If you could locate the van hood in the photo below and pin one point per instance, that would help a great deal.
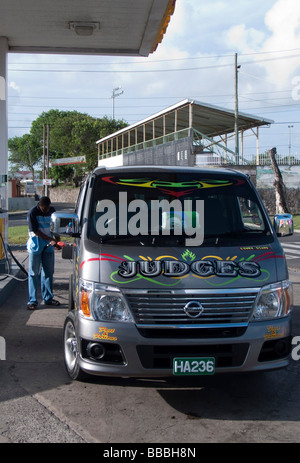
(195, 268)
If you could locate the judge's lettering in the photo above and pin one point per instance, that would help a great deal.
(177, 268)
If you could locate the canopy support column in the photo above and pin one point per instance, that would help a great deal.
(3, 151)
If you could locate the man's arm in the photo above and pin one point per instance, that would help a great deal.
(51, 239)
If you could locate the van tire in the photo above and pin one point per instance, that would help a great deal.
(71, 350)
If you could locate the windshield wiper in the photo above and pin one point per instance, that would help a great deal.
(216, 237)
(142, 240)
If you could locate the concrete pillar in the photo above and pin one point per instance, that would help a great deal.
(3, 153)
(3, 121)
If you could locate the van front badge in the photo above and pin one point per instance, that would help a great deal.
(193, 309)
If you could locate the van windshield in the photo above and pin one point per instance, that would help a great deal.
(167, 208)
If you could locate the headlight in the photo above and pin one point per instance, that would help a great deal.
(110, 306)
(103, 303)
(274, 301)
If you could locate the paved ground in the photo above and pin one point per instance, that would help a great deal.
(39, 403)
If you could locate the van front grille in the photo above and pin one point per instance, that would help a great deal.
(191, 309)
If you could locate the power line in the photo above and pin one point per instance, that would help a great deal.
(145, 98)
(108, 71)
(148, 61)
(288, 122)
(291, 107)
(154, 70)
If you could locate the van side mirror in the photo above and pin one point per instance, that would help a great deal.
(283, 224)
(65, 224)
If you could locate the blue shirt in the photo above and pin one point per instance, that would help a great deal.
(38, 220)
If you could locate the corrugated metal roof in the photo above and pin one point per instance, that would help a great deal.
(210, 120)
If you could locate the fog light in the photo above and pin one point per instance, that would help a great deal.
(281, 347)
(95, 350)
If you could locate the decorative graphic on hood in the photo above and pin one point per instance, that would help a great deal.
(175, 268)
(212, 268)
(176, 189)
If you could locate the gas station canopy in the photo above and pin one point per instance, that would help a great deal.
(104, 27)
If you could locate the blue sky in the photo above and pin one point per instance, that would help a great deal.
(195, 60)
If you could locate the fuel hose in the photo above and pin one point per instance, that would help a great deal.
(9, 275)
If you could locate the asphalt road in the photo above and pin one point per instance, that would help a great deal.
(39, 403)
(16, 219)
(291, 247)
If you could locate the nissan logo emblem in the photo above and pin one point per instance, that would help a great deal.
(193, 309)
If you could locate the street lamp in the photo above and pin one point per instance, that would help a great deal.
(236, 121)
(115, 93)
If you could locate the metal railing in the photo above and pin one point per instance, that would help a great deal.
(210, 151)
(174, 136)
(217, 160)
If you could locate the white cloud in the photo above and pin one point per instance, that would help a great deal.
(243, 39)
(14, 86)
(282, 32)
(283, 20)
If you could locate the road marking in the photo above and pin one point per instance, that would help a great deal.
(292, 250)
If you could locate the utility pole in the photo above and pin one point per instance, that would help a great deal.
(236, 122)
(47, 161)
(44, 160)
(115, 93)
(45, 157)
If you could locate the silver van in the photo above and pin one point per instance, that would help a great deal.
(176, 271)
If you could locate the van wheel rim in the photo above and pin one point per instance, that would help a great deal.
(71, 350)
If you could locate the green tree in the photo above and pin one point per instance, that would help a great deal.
(25, 152)
(71, 134)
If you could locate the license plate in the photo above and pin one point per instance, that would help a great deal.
(194, 366)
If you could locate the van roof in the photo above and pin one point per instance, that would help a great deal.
(176, 169)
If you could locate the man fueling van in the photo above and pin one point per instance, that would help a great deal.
(40, 246)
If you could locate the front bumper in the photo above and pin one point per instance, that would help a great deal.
(262, 346)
